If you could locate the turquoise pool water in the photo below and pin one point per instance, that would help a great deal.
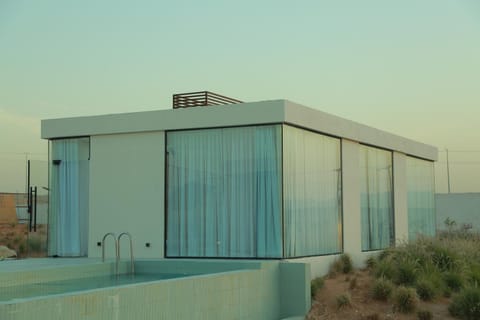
(78, 284)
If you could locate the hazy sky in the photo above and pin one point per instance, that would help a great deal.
(411, 67)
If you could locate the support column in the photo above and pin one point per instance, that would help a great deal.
(400, 197)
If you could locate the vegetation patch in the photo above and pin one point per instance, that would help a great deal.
(404, 299)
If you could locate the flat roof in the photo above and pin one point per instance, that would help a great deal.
(251, 113)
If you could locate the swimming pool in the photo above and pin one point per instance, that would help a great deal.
(43, 288)
(161, 289)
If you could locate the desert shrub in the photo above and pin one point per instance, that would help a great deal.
(443, 258)
(385, 254)
(425, 289)
(474, 275)
(343, 300)
(382, 289)
(406, 273)
(343, 264)
(371, 263)
(347, 264)
(404, 299)
(453, 280)
(316, 285)
(384, 269)
(466, 304)
(424, 315)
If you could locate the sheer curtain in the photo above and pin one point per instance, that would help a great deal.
(224, 192)
(312, 193)
(376, 198)
(68, 210)
(421, 197)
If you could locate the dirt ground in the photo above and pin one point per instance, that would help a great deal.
(15, 236)
(363, 306)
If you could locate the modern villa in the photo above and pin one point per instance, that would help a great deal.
(270, 184)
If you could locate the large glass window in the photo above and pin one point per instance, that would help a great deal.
(376, 198)
(69, 187)
(421, 197)
(224, 192)
(312, 193)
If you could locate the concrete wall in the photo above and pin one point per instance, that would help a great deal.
(127, 192)
(464, 208)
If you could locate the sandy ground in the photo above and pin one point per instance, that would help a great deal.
(363, 306)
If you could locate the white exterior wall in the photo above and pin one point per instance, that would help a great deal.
(127, 192)
(352, 238)
(127, 168)
(400, 197)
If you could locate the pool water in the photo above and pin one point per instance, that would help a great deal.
(78, 284)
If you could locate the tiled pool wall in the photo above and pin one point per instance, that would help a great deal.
(220, 290)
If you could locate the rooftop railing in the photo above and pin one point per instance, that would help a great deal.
(201, 99)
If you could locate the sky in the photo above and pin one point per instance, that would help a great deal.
(410, 67)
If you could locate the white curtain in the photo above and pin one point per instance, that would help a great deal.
(68, 211)
(376, 198)
(224, 192)
(312, 193)
(421, 197)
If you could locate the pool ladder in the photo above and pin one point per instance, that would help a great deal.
(117, 250)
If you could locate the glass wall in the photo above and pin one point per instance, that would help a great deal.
(421, 197)
(224, 192)
(69, 187)
(312, 193)
(376, 196)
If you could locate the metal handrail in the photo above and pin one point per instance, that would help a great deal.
(103, 244)
(116, 249)
(132, 268)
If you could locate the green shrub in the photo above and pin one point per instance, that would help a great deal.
(382, 289)
(347, 264)
(343, 264)
(404, 299)
(343, 300)
(424, 315)
(384, 269)
(466, 305)
(371, 262)
(406, 273)
(316, 285)
(385, 254)
(425, 289)
(453, 280)
(443, 258)
(474, 275)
